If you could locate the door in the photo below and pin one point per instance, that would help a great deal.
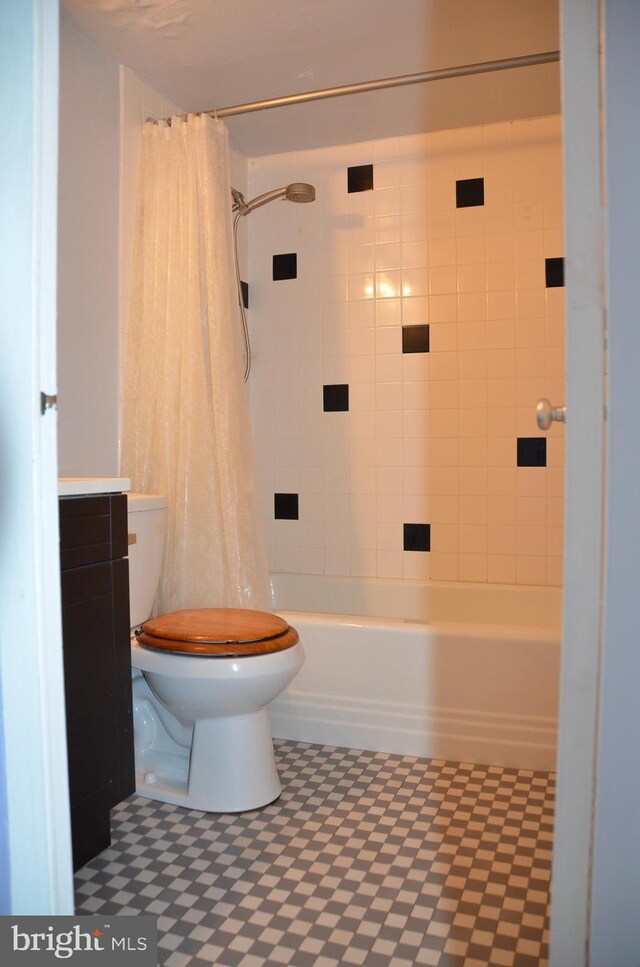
(36, 875)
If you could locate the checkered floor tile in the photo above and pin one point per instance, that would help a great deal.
(366, 859)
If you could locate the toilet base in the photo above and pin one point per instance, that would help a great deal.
(230, 767)
(201, 732)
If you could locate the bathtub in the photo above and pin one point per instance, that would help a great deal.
(448, 671)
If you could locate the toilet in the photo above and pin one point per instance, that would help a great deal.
(202, 679)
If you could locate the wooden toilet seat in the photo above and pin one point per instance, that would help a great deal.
(218, 632)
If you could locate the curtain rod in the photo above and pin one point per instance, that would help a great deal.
(530, 60)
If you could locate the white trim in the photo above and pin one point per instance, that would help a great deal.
(585, 439)
(458, 734)
(41, 880)
(615, 894)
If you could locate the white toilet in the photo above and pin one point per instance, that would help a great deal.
(201, 683)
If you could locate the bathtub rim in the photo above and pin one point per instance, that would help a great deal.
(444, 628)
(286, 586)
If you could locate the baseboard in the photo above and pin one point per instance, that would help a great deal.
(460, 735)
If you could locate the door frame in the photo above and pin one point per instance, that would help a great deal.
(584, 490)
(596, 888)
(615, 895)
(36, 827)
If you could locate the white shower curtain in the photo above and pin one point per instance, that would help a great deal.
(186, 431)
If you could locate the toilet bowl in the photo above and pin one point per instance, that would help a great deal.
(202, 680)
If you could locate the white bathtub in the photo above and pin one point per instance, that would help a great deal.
(450, 671)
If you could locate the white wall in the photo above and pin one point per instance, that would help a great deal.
(429, 438)
(88, 259)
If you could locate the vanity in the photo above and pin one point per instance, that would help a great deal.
(97, 655)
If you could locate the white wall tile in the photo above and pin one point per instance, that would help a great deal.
(416, 566)
(287, 559)
(429, 437)
(363, 562)
(337, 561)
(390, 564)
(311, 560)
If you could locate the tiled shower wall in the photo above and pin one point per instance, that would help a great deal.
(404, 327)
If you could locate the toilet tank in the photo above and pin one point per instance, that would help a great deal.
(147, 521)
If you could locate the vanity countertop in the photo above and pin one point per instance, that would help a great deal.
(79, 486)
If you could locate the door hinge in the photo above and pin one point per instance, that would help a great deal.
(47, 402)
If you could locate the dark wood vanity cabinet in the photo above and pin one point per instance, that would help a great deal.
(97, 665)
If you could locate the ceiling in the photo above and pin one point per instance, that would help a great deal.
(204, 54)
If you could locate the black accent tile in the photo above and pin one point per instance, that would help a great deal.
(244, 286)
(415, 339)
(285, 266)
(360, 178)
(532, 451)
(417, 537)
(285, 506)
(335, 398)
(469, 192)
(554, 273)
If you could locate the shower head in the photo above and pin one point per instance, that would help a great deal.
(299, 191)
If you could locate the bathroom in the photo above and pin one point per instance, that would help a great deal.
(398, 461)
(429, 438)
(428, 444)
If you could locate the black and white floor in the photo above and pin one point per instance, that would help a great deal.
(366, 859)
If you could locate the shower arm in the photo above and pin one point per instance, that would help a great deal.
(246, 207)
(265, 199)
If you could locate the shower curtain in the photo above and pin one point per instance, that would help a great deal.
(186, 431)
